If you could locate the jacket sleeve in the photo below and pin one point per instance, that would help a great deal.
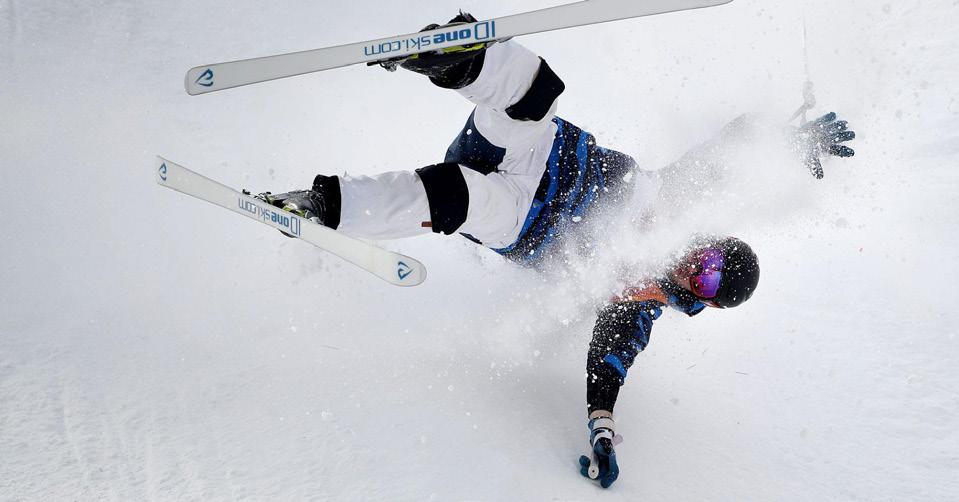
(622, 331)
(705, 169)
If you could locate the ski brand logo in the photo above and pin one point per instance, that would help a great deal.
(403, 270)
(291, 224)
(205, 79)
(462, 34)
(161, 172)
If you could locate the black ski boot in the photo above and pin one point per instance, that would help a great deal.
(305, 203)
(321, 204)
(450, 68)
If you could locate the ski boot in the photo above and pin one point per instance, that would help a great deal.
(450, 68)
(319, 204)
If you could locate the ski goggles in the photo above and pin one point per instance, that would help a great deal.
(707, 273)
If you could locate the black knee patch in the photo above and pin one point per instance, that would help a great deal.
(447, 194)
(537, 101)
(329, 189)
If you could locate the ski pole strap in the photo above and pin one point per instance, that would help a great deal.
(601, 428)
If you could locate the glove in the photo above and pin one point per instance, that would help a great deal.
(601, 465)
(822, 136)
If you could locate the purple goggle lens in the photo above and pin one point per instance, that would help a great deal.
(705, 282)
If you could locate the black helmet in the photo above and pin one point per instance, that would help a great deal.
(739, 269)
(740, 273)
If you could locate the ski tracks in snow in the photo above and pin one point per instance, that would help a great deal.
(73, 435)
(9, 34)
(8, 8)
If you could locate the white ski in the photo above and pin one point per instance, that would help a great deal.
(219, 76)
(393, 268)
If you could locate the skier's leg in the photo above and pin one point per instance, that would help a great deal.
(490, 208)
(515, 93)
(442, 198)
(384, 206)
(514, 90)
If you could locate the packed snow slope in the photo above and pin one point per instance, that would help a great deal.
(155, 347)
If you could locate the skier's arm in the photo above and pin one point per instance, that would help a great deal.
(702, 169)
(698, 170)
(622, 331)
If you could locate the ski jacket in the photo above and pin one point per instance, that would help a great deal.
(577, 176)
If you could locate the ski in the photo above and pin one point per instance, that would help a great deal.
(393, 268)
(219, 76)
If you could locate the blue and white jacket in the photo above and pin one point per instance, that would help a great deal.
(578, 175)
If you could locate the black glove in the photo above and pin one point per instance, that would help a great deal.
(822, 136)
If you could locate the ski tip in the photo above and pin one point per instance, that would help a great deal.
(199, 80)
(162, 170)
(409, 272)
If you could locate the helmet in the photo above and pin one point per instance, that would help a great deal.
(740, 273)
(721, 271)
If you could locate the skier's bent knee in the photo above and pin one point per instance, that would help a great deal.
(448, 196)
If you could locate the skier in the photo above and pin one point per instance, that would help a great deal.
(521, 180)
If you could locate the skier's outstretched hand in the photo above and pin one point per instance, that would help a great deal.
(601, 465)
(824, 135)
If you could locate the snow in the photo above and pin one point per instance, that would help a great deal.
(153, 347)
